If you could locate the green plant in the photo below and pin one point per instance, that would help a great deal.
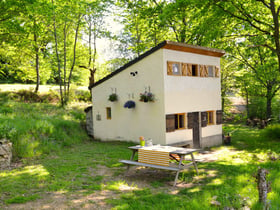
(147, 97)
(113, 97)
(39, 128)
(82, 95)
(272, 132)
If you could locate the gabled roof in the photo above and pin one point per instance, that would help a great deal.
(166, 45)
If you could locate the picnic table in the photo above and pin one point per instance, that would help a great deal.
(158, 156)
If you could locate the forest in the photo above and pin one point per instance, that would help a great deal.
(62, 42)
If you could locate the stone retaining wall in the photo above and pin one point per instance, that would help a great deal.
(5, 154)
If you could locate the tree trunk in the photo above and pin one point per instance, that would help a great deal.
(37, 64)
(268, 101)
(268, 107)
(74, 56)
(263, 185)
(247, 104)
(58, 60)
(37, 70)
(65, 61)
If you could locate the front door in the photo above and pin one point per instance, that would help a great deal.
(196, 130)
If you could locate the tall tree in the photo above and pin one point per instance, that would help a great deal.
(257, 28)
(67, 22)
(94, 29)
(256, 18)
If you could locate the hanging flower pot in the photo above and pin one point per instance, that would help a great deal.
(147, 97)
(129, 104)
(113, 97)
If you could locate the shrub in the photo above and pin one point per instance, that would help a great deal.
(272, 132)
(50, 97)
(82, 95)
(36, 129)
(28, 96)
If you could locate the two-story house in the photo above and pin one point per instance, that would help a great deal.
(183, 82)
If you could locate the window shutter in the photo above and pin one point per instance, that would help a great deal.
(201, 70)
(189, 66)
(217, 71)
(169, 68)
(170, 123)
(204, 119)
(190, 120)
(206, 71)
(184, 69)
(219, 117)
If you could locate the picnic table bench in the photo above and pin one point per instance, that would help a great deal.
(159, 157)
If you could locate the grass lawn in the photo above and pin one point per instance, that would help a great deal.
(60, 167)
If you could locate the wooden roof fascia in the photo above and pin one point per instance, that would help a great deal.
(193, 49)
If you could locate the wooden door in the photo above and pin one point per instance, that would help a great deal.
(196, 130)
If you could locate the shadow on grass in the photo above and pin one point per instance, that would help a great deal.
(77, 169)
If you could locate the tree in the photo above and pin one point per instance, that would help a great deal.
(265, 76)
(69, 19)
(94, 29)
(257, 18)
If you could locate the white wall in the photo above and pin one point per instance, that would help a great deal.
(147, 119)
(191, 94)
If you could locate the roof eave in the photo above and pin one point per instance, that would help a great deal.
(194, 49)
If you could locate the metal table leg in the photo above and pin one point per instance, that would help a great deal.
(179, 167)
(194, 163)
(131, 158)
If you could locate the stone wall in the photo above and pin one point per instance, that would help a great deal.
(89, 121)
(5, 154)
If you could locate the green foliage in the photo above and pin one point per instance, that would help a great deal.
(22, 199)
(80, 95)
(37, 129)
(272, 132)
(257, 108)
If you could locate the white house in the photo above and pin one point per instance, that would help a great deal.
(185, 83)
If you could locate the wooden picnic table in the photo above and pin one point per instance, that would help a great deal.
(158, 156)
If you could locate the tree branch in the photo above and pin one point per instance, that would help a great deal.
(265, 4)
(244, 19)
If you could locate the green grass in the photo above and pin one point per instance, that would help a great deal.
(39, 128)
(230, 180)
(71, 170)
(58, 157)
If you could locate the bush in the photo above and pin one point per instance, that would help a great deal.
(39, 128)
(80, 95)
(272, 132)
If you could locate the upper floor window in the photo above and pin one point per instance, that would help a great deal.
(174, 68)
(194, 70)
(210, 71)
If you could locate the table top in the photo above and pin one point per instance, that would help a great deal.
(170, 149)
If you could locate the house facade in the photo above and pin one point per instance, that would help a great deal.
(184, 81)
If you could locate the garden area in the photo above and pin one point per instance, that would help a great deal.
(56, 165)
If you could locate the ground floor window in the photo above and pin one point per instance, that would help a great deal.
(175, 122)
(210, 117)
(108, 113)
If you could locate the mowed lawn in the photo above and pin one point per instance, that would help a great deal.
(63, 168)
